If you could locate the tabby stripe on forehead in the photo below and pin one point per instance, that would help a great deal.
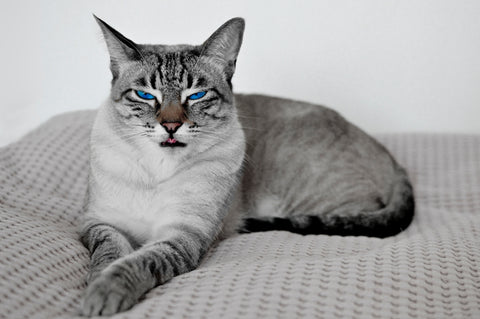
(185, 62)
(182, 61)
(141, 81)
(182, 67)
(166, 67)
(153, 80)
(181, 74)
(189, 80)
(201, 82)
(160, 72)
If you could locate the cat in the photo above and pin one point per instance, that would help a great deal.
(178, 161)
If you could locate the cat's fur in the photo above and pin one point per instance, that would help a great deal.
(158, 200)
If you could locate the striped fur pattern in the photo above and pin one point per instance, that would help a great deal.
(169, 174)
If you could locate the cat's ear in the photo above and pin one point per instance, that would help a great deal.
(224, 44)
(121, 49)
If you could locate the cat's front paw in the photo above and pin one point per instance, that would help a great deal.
(107, 295)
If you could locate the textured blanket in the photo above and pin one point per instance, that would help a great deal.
(432, 270)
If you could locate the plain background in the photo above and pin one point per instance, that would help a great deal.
(388, 66)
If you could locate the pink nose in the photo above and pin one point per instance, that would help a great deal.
(171, 127)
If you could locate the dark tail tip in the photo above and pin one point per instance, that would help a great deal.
(251, 225)
(361, 225)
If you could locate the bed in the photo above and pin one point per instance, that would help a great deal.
(431, 270)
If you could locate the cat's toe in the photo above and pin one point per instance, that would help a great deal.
(104, 297)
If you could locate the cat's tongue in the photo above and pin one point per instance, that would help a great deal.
(172, 142)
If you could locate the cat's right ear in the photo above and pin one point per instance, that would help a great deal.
(121, 49)
(224, 45)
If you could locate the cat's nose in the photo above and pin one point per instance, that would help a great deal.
(171, 127)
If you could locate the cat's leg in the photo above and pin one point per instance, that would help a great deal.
(124, 281)
(106, 244)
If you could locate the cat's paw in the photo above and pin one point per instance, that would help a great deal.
(107, 295)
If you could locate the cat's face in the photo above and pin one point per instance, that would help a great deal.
(175, 96)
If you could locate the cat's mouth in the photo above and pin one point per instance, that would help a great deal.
(172, 142)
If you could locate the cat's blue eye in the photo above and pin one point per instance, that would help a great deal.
(144, 95)
(197, 95)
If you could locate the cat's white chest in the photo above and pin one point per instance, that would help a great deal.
(137, 194)
(139, 211)
(143, 212)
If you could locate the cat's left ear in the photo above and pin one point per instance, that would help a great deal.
(224, 44)
(121, 49)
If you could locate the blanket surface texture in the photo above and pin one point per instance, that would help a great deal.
(431, 270)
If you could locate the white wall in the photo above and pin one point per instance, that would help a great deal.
(389, 66)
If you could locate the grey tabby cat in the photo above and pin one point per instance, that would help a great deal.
(178, 160)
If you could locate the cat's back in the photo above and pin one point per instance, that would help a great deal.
(305, 157)
(262, 114)
(296, 124)
(263, 110)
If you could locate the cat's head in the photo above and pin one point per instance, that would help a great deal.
(175, 95)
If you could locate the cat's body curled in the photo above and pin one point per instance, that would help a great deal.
(178, 160)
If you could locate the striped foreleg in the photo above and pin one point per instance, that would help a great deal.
(123, 282)
(106, 244)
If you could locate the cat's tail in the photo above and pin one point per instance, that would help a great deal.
(388, 221)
